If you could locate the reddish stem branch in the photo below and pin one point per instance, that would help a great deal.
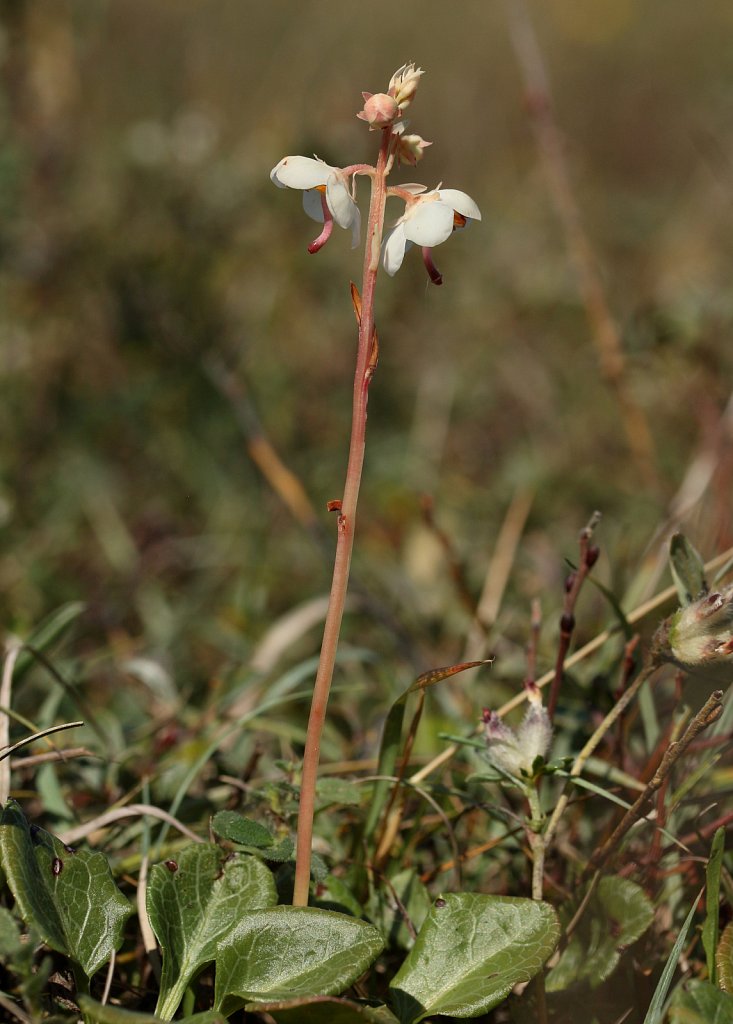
(574, 582)
(365, 363)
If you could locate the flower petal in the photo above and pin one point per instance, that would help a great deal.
(430, 223)
(460, 202)
(312, 204)
(534, 735)
(394, 247)
(300, 172)
(339, 200)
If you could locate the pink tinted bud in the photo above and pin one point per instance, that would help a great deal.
(410, 149)
(403, 84)
(380, 110)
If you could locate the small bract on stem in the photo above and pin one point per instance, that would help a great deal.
(429, 218)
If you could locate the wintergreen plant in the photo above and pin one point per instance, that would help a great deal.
(429, 217)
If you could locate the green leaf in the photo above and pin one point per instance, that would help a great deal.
(618, 914)
(9, 934)
(700, 1002)
(282, 852)
(206, 1017)
(712, 899)
(325, 1010)
(287, 952)
(338, 791)
(238, 829)
(100, 1013)
(68, 895)
(654, 1013)
(688, 569)
(724, 959)
(52, 627)
(103, 1013)
(193, 903)
(470, 953)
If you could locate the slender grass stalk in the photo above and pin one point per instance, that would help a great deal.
(346, 527)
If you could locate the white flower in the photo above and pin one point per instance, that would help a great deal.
(318, 179)
(427, 221)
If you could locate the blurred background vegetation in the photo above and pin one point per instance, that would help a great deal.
(158, 310)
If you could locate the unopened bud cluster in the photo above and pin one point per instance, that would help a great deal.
(701, 633)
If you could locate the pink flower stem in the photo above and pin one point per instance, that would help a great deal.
(346, 527)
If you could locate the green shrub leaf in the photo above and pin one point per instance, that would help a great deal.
(68, 895)
(238, 829)
(700, 1002)
(618, 914)
(470, 953)
(287, 952)
(193, 903)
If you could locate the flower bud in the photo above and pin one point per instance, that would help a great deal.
(516, 752)
(380, 110)
(403, 84)
(702, 632)
(410, 149)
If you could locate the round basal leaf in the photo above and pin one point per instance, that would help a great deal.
(192, 903)
(619, 913)
(286, 952)
(238, 829)
(470, 953)
(700, 1002)
(68, 895)
(325, 1010)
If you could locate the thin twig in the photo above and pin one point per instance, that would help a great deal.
(64, 754)
(110, 975)
(13, 649)
(497, 573)
(710, 712)
(591, 745)
(573, 584)
(15, 1011)
(73, 835)
(534, 640)
(38, 736)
